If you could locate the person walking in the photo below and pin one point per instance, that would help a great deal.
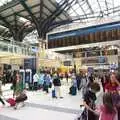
(78, 79)
(47, 80)
(35, 81)
(14, 81)
(57, 86)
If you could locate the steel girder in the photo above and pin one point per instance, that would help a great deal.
(38, 12)
(44, 25)
(18, 36)
(56, 7)
(101, 12)
(23, 10)
(31, 14)
(57, 12)
(89, 6)
(16, 25)
(41, 9)
(50, 11)
(8, 26)
(10, 5)
(106, 6)
(62, 10)
(54, 13)
(68, 5)
(82, 9)
(47, 27)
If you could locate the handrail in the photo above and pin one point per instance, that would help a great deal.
(11, 41)
(14, 48)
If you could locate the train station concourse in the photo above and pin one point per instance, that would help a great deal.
(59, 59)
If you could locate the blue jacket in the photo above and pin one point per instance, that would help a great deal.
(47, 79)
(41, 79)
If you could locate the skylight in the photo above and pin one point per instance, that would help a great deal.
(3, 2)
(89, 9)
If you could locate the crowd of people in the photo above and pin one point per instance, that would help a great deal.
(87, 84)
(110, 109)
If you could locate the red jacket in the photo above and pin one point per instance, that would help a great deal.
(111, 87)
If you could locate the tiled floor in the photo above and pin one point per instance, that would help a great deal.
(41, 106)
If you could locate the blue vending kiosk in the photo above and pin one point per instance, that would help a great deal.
(30, 70)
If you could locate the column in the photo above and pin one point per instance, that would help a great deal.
(38, 54)
(41, 52)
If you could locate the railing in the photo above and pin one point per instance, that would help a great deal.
(15, 47)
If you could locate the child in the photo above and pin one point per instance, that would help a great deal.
(107, 110)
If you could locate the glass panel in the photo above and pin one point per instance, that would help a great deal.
(95, 8)
(3, 2)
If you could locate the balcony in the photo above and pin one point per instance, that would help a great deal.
(15, 48)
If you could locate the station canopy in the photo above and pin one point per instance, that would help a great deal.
(20, 17)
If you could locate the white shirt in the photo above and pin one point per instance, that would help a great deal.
(35, 78)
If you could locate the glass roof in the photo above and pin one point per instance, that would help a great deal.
(3, 2)
(92, 9)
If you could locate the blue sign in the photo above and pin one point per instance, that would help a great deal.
(102, 59)
(30, 63)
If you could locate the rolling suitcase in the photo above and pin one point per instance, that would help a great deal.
(73, 90)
